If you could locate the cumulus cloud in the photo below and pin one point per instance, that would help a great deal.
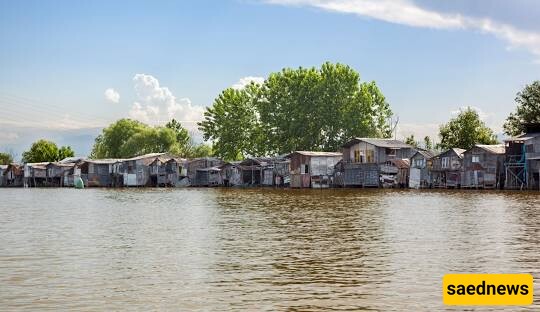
(406, 12)
(112, 95)
(243, 82)
(156, 104)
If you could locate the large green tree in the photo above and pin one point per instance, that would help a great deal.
(527, 111)
(46, 151)
(296, 109)
(128, 138)
(6, 158)
(232, 124)
(465, 130)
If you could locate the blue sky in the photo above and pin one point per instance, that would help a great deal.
(172, 58)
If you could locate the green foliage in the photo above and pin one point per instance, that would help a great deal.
(6, 158)
(64, 152)
(182, 135)
(232, 123)
(200, 150)
(428, 143)
(527, 111)
(46, 151)
(465, 130)
(110, 143)
(412, 141)
(128, 138)
(296, 109)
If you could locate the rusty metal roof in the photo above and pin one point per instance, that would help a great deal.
(387, 143)
(494, 149)
(401, 163)
(315, 154)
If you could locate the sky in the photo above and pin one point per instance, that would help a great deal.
(69, 68)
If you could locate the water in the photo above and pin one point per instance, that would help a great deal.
(257, 249)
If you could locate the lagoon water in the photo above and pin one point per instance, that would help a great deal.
(257, 249)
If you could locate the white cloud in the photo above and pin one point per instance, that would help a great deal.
(243, 82)
(156, 104)
(406, 12)
(112, 95)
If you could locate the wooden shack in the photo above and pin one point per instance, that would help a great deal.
(257, 171)
(231, 173)
(312, 169)
(14, 175)
(446, 169)
(282, 174)
(3, 169)
(483, 167)
(100, 172)
(200, 163)
(56, 173)
(395, 173)
(166, 170)
(522, 160)
(137, 171)
(420, 165)
(35, 174)
(366, 159)
(207, 177)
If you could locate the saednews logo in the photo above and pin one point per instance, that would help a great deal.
(488, 289)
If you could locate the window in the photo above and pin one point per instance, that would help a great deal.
(370, 157)
(419, 163)
(445, 162)
(391, 152)
(475, 158)
(356, 156)
(304, 168)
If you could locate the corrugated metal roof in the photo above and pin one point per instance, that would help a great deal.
(310, 153)
(494, 149)
(523, 137)
(151, 155)
(105, 161)
(401, 163)
(387, 143)
(426, 154)
(458, 151)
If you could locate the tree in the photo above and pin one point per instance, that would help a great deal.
(64, 152)
(465, 130)
(411, 141)
(428, 144)
(46, 151)
(127, 138)
(296, 109)
(527, 111)
(110, 143)
(231, 123)
(6, 158)
(200, 150)
(182, 135)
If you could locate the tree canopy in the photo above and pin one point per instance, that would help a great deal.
(527, 111)
(127, 138)
(6, 158)
(296, 109)
(465, 130)
(46, 151)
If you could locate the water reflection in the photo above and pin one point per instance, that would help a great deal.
(257, 249)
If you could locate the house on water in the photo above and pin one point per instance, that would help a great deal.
(483, 167)
(365, 160)
(14, 175)
(312, 169)
(522, 160)
(99, 172)
(137, 171)
(3, 169)
(195, 164)
(35, 174)
(231, 174)
(419, 173)
(446, 169)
